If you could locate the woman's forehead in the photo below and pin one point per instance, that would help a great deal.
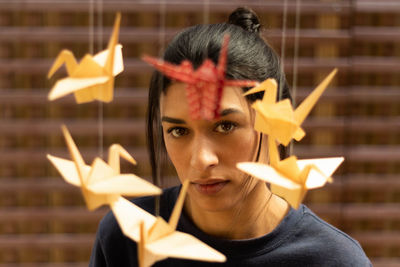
(174, 99)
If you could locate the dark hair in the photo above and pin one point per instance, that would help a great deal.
(249, 58)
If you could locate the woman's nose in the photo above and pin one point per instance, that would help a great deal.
(203, 154)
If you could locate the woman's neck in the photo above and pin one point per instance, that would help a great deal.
(257, 215)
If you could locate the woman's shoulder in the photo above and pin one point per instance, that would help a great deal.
(316, 236)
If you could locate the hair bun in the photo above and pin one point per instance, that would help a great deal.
(246, 18)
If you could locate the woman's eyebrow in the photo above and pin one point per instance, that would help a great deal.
(172, 120)
(229, 111)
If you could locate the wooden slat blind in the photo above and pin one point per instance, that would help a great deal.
(43, 221)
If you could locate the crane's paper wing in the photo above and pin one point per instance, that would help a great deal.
(315, 179)
(129, 217)
(325, 168)
(305, 107)
(67, 57)
(326, 165)
(99, 172)
(182, 245)
(267, 174)
(67, 169)
(69, 85)
(125, 184)
(269, 86)
(101, 59)
(182, 72)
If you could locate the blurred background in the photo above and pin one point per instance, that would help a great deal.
(44, 221)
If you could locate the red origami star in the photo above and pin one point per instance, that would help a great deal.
(204, 85)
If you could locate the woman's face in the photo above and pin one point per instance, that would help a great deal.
(206, 152)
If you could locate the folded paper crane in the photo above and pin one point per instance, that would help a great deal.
(291, 178)
(157, 239)
(277, 119)
(93, 78)
(101, 182)
(204, 85)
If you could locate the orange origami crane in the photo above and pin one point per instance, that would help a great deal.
(157, 239)
(101, 182)
(93, 78)
(277, 119)
(291, 178)
(204, 85)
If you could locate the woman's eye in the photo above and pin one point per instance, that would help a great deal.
(177, 131)
(225, 127)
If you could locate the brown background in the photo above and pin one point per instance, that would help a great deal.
(43, 220)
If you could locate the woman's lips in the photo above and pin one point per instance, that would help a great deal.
(210, 186)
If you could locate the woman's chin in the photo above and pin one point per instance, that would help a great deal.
(210, 202)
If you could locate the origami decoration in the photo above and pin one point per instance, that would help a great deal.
(204, 85)
(291, 178)
(93, 78)
(101, 182)
(277, 119)
(157, 239)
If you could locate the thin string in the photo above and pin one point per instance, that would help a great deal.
(91, 26)
(295, 61)
(283, 45)
(99, 48)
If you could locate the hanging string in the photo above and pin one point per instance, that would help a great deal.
(295, 61)
(91, 27)
(99, 48)
(283, 45)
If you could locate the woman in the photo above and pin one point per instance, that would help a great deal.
(228, 210)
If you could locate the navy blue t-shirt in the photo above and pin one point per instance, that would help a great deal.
(301, 239)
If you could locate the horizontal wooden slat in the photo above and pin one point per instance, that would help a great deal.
(21, 156)
(138, 96)
(152, 35)
(47, 241)
(389, 238)
(376, 34)
(46, 214)
(120, 127)
(363, 6)
(49, 185)
(35, 185)
(384, 262)
(44, 264)
(355, 124)
(375, 64)
(353, 94)
(305, 65)
(354, 212)
(372, 182)
(372, 6)
(361, 153)
(130, 96)
(39, 66)
(272, 6)
(80, 34)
